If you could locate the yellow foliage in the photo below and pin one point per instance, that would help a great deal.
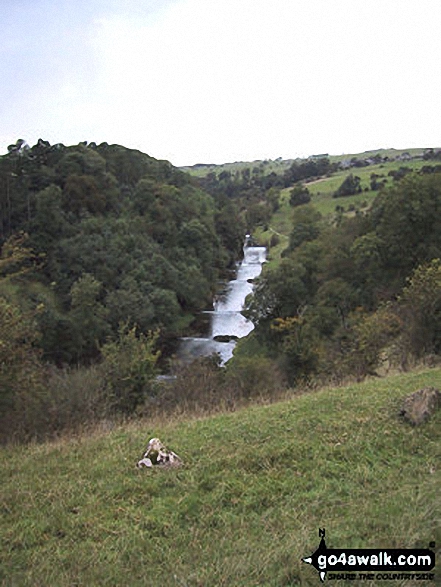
(284, 325)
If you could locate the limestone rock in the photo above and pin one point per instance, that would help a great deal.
(225, 337)
(159, 455)
(420, 405)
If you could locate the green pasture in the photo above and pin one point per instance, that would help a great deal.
(244, 509)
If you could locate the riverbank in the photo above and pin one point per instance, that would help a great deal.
(244, 509)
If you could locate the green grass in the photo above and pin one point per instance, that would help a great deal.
(391, 153)
(246, 507)
(322, 192)
(267, 166)
(281, 226)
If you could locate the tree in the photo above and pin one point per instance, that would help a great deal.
(367, 337)
(420, 308)
(80, 160)
(407, 221)
(281, 292)
(82, 194)
(16, 257)
(21, 372)
(129, 367)
(299, 195)
(50, 223)
(299, 345)
(306, 226)
(351, 185)
(88, 315)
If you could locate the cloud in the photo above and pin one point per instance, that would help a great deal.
(191, 80)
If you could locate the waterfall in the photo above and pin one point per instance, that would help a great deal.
(227, 324)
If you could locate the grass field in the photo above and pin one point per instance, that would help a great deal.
(322, 192)
(267, 166)
(245, 508)
(279, 165)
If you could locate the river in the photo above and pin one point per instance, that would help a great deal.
(225, 322)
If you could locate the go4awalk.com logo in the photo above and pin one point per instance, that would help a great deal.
(372, 563)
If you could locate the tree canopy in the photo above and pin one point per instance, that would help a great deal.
(121, 237)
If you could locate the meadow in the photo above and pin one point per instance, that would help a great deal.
(256, 486)
(322, 197)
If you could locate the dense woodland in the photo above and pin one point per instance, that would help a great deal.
(359, 294)
(107, 254)
(98, 240)
(99, 235)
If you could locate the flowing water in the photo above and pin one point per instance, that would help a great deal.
(226, 320)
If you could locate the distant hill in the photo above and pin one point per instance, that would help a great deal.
(279, 165)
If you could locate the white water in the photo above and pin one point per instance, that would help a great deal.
(226, 318)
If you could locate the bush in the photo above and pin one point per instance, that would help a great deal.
(204, 387)
(349, 187)
(129, 368)
(299, 195)
(21, 372)
(198, 388)
(75, 398)
(367, 342)
(420, 309)
(254, 377)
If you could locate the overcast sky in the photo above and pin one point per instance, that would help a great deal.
(222, 80)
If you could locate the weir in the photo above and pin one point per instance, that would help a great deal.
(225, 320)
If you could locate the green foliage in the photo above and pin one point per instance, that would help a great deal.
(408, 221)
(254, 377)
(50, 222)
(306, 226)
(298, 342)
(18, 354)
(21, 373)
(420, 308)
(339, 297)
(88, 316)
(17, 257)
(129, 368)
(299, 195)
(337, 286)
(153, 240)
(365, 341)
(349, 187)
(281, 292)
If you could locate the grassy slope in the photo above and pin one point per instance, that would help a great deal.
(256, 486)
(267, 166)
(322, 198)
(322, 191)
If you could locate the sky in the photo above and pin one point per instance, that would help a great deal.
(214, 81)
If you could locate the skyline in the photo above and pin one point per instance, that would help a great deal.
(193, 81)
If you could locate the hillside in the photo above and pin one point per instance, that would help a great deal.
(107, 228)
(280, 165)
(256, 486)
(107, 255)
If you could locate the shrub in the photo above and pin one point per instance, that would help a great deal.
(254, 377)
(299, 195)
(420, 308)
(75, 398)
(366, 339)
(349, 187)
(129, 368)
(21, 373)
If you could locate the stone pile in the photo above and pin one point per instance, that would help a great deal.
(158, 455)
